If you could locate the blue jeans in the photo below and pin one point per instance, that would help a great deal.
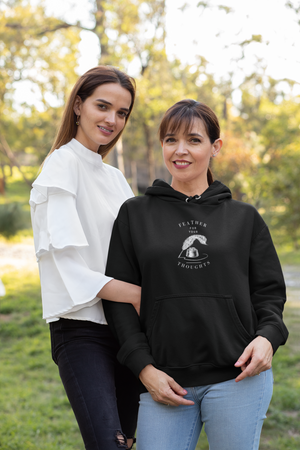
(233, 414)
(102, 393)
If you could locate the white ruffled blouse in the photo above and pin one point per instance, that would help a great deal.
(74, 202)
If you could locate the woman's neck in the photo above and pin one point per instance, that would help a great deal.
(190, 189)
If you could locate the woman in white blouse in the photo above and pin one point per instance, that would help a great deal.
(74, 202)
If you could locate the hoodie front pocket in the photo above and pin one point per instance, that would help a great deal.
(189, 329)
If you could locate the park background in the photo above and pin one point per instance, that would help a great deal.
(241, 58)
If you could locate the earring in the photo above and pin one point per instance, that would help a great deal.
(213, 155)
(77, 122)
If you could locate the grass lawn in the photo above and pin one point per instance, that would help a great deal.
(34, 411)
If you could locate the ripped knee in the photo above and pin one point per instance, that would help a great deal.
(121, 439)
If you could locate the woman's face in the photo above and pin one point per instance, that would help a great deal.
(187, 156)
(102, 115)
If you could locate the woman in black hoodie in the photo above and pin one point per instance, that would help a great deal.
(212, 298)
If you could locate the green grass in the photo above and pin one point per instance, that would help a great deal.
(35, 413)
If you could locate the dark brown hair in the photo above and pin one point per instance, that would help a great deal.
(84, 88)
(182, 114)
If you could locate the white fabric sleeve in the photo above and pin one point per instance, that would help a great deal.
(56, 223)
(54, 215)
(68, 284)
(82, 283)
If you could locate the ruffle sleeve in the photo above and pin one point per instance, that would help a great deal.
(55, 219)
(70, 279)
(60, 171)
(68, 284)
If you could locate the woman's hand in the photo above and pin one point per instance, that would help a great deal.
(256, 358)
(163, 388)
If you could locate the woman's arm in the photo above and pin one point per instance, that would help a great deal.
(123, 264)
(267, 289)
(121, 292)
(268, 297)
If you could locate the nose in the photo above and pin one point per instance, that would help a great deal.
(111, 117)
(181, 148)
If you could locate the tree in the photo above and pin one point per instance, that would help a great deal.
(39, 50)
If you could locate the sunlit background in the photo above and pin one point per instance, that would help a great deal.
(214, 30)
(242, 58)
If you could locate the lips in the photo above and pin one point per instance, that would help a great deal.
(181, 164)
(105, 130)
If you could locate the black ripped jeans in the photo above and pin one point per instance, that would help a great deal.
(103, 394)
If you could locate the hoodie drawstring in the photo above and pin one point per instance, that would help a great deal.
(196, 197)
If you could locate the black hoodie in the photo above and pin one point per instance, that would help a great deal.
(211, 282)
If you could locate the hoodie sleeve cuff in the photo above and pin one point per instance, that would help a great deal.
(138, 360)
(135, 353)
(274, 336)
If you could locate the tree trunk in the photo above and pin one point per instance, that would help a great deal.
(8, 152)
(134, 181)
(150, 153)
(120, 158)
(100, 31)
(2, 180)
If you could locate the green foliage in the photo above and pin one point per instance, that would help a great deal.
(39, 51)
(11, 219)
(15, 206)
(259, 159)
(274, 183)
(37, 48)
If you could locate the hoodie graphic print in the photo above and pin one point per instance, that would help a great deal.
(211, 282)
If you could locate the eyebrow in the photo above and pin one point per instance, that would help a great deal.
(189, 134)
(108, 103)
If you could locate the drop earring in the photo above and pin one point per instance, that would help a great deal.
(77, 122)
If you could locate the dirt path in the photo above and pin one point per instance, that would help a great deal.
(292, 279)
(17, 256)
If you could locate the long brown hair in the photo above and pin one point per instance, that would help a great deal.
(183, 113)
(84, 88)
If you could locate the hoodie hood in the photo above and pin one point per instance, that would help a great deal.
(215, 194)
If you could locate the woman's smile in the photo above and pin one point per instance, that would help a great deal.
(181, 164)
(105, 130)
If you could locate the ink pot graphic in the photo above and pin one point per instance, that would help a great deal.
(191, 250)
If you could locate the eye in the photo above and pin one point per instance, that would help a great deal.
(195, 141)
(170, 140)
(101, 106)
(123, 114)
